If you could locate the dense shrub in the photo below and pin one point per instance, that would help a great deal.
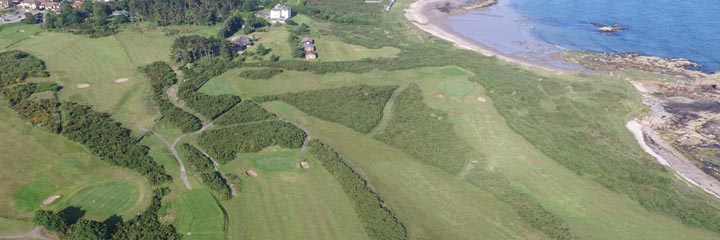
(197, 161)
(51, 221)
(379, 222)
(17, 66)
(264, 73)
(358, 107)
(41, 112)
(224, 143)
(423, 133)
(245, 112)
(147, 225)
(217, 183)
(198, 74)
(104, 137)
(161, 77)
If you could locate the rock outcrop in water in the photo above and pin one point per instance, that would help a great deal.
(608, 28)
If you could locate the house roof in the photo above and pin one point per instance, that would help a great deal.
(242, 40)
(279, 7)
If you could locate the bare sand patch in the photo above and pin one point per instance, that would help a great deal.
(82, 85)
(50, 200)
(120, 80)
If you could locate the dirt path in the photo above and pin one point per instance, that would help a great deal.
(36, 233)
(183, 173)
(387, 112)
(656, 146)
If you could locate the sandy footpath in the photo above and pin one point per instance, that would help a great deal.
(654, 145)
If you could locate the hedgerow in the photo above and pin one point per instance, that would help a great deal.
(217, 183)
(224, 143)
(358, 107)
(246, 111)
(378, 221)
(197, 161)
(264, 73)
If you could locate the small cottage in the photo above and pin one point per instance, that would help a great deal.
(242, 42)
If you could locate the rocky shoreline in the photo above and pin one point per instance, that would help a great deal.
(459, 6)
(609, 62)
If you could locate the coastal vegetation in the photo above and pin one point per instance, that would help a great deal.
(440, 146)
(358, 107)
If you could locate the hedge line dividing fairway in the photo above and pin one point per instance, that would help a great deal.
(196, 75)
(378, 220)
(200, 163)
(358, 107)
(245, 112)
(161, 77)
(424, 133)
(257, 74)
(225, 143)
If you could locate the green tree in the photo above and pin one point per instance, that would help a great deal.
(262, 50)
(88, 229)
(275, 58)
(29, 18)
(51, 221)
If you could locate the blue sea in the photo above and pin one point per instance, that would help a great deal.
(667, 28)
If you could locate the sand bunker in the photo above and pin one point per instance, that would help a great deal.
(120, 80)
(305, 164)
(50, 200)
(83, 85)
(251, 173)
(481, 99)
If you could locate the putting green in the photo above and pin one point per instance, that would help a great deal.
(104, 199)
(199, 216)
(457, 88)
(276, 162)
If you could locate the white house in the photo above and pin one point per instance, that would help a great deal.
(280, 13)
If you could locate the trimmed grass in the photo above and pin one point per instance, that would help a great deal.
(37, 164)
(457, 88)
(103, 200)
(289, 204)
(10, 33)
(276, 162)
(199, 216)
(99, 62)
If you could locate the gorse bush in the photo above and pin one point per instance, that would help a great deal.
(161, 77)
(265, 73)
(245, 112)
(358, 107)
(378, 221)
(197, 161)
(224, 143)
(423, 133)
(197, 75)
(17, 66)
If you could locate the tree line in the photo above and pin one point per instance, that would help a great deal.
(145, 225)
(92, 18)
(161, 77)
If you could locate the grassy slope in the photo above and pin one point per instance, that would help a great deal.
(33, 157)
(10, 34)
(286, 202)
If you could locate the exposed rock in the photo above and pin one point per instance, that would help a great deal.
(608, 28)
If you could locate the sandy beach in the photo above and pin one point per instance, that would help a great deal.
(425, 15)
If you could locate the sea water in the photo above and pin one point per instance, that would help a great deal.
(665, 28)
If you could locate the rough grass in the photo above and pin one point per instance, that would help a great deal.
(199, 216)
(289, 204)
(103, 200)
(12, 226)
(34, 160)
(424, 133)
